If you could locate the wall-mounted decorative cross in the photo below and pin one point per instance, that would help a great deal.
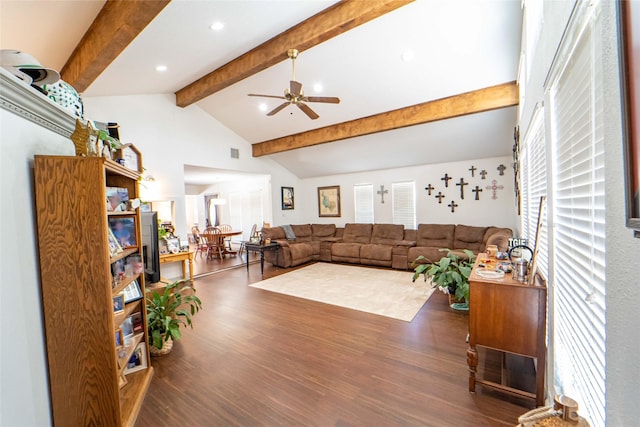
(461, 183)
(453, 205)
(501, 169)
(382, 192)
(429, 188)
(494, 187)
(439, 196)
(473, 170)
(477, 190)
(446, 179)
(483, 173)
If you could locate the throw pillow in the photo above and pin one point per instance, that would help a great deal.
(288, 231)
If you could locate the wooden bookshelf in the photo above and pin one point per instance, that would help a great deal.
(77, 292)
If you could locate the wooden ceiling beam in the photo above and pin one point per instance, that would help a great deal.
(477, 101)
(331, 22)
(117, 24)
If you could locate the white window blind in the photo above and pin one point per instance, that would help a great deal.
(403, 195)
(578, 330)
(363, 196)
(534, 186)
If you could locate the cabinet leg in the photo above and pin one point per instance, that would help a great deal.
(472, 361)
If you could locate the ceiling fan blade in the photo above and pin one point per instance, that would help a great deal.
(278, 108)
(307, 110)
(295, 87)
(267, 96)
(327, 99)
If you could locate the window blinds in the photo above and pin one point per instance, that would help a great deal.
(403, 197)
(363, 196)
(534, 185)
(575, 94)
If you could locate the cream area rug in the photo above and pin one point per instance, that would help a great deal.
(384, 292)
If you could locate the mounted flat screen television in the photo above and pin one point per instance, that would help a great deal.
(150, 246)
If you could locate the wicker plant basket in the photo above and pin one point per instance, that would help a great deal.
(167, 346)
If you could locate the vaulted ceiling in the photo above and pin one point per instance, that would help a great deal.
(454, 101)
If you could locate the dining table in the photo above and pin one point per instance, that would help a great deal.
(215, 242)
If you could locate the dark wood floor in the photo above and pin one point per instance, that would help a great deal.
(257, 358)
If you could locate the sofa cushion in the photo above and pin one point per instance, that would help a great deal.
(322, 230)
(468, 237)
(345, 250)
(273, 233)
(288, 232)
(387, 234)
(303, 232)
(435, 235)
(357, 233)
(432, 254)
(377, 252)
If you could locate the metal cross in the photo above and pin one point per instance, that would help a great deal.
(446, 179)
(382, 192)
(440, 196)
(429, 188)
(473, 170)
(483, 173)
(477, 190)
(494, 187)
(453, 205)
(461, 183)
(501, 169)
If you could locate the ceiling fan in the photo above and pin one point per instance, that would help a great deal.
(294, 94)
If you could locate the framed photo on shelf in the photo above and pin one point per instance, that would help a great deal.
(117, 198)
(118, 303)
(124, 230)
(329, 201)
(114, 246)
(138, 360)
(629, 27)
(286, 195)
(132, 292)
(119, 338)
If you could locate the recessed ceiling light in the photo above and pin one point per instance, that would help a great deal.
(262, 106)
(161, 68)
(317, 88)
(216, 26)
(407, 55)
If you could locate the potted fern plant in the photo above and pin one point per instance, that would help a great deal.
(166, 312)
(450, 275)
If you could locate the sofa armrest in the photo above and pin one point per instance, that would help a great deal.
(283, 242)
(406, 243)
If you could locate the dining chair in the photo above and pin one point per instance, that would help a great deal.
(254, 232)
(214, 242)
(227, 240)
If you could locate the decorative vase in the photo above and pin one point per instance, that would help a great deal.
(166, 348)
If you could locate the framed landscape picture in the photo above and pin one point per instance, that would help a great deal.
(629, 36)
(286, 194)
(329, 201)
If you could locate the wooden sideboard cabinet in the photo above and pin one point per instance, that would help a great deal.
(510, 317)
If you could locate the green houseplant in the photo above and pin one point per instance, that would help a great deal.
(450, 274)
(166, 312)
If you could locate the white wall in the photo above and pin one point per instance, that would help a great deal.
(484, 212)
(622, 250)
(170, 137)
(24, 386)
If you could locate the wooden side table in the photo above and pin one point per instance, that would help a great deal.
(184, 257)
(508, 316)
(257, 247)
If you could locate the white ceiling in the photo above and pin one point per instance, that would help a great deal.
(459, 46)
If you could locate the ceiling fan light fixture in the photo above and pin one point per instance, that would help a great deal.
(317, 88)
(161, 68)
(262, 107)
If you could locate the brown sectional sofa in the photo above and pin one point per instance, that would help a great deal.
(385, 245)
